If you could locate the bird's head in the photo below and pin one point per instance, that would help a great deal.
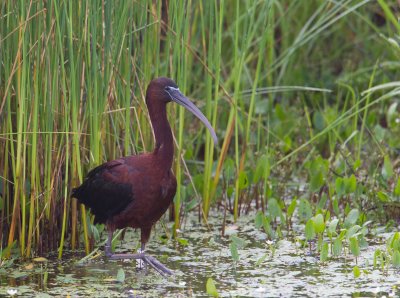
(164, 90)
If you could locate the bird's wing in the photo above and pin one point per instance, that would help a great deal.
(105, 190)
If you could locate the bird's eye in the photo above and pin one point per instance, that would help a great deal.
(168, 88)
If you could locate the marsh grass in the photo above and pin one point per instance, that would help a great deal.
(280, 81)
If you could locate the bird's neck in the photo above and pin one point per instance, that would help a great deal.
(164, 148)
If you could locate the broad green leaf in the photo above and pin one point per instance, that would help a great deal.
(335, 204)
(319, 223)
(319, 121)
(396, 259)
(396, 191)
(317, 181)
(229, 168)
(280, 113)
(274, 208)
(322, 201)
(292, 207)
(267, 227)
(243, 180)
(310, 230)
(352, 231)
(351, 184)
(337, 247)
(352, 217)
(356, 164)
(324, 252)
(234, 251)
(305, 211)
(211, 288)
(183, 241)
(387, 169)
(327, 216)
(262, 169)
(240, 243)
(383, 197)
(356, 272)
(392, 114)
(258, 220)
(354, 247)
(339, 186)
(333, 225)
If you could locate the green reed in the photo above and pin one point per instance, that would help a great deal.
(72, 86)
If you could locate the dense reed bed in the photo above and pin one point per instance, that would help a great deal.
(283, 82)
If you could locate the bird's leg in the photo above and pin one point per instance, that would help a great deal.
(153, 262)
(107, 247)
(141, 264)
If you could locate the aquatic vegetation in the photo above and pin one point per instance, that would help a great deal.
(302, 188)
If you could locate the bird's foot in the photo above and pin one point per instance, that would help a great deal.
(153, 262)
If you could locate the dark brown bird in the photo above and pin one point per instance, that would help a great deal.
(135, 191)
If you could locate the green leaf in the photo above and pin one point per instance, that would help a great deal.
(262, 169)
(339, 186)
(332, 226)
(351, 218)
(229, 168)
(351, 184)
(310, 230)
(383, 197)
(211, 288)
(317, 181)
(234, 251)
(377, 255)
(240, 243)
(243, 180)
(396, 259)
(324, 252)
(354, 247)
(305, 211)
(267, 227)
(319, 223)
(392, 114)
(258, 220)
(319, 121)
(280, 113)
(356, 164)
(356, 272)
(322, 201)
(121, 275)
(327, 216)
(337, 247)
(335, 205)
(396, 191)
(352, 231)
(292, 207)
(183, 241)
(274, 208)
(387, 169)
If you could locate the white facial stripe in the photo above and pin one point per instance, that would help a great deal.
(172, 89)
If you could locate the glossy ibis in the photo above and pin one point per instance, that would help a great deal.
(135, 191)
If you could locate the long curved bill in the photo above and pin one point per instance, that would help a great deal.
(180, 99)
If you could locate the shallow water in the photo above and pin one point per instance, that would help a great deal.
(287, 269)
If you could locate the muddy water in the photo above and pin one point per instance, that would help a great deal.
(266, 269)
